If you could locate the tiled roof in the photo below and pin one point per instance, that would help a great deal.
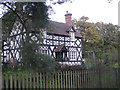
(59, 48)
(60, 29)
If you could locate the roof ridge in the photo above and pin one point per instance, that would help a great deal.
(58, 22)
(60, 28)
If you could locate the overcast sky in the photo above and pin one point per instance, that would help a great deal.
(96, 10)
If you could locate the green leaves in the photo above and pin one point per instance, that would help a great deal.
(33, 16)
(99, 37)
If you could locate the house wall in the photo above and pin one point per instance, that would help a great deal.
(50, 42)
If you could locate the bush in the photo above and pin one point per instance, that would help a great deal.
(36, 61)
(45, 63)
(73, 67)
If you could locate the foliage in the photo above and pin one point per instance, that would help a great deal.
(33, 16)
(26, 12)
(37, 61)
(99, 37)
(89, 64)
(73, 67)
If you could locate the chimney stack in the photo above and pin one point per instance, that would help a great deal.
(68, 18)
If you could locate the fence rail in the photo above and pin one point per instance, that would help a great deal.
(64, 79)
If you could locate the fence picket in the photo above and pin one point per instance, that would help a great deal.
(75, 79)
(46, 80)
(84, 78)
(30, 76)
(37, 80)
(6, 78)
(19, 81)
(23, 84)
(78, 79)
(34, 85)
(15, 81)
(50, 80)
(88, 78)
(40, 80)
(26, 80)
(61, 79)
(66, 79)
(53, 80)
(81, 79)
(71, 79)
(58, 80)
(11, 81)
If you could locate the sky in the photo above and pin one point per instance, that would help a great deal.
(96, 10)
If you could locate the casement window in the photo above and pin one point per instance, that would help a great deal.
(72, 55)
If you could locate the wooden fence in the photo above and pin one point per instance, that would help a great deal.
(65, 79)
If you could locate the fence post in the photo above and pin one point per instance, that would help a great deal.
(1, 85)
(94, 58)
(99, 74)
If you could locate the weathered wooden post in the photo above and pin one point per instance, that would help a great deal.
(89, 57)
(1, 86)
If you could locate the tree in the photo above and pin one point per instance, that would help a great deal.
(99, 37)
(89, 33)
(33, 16)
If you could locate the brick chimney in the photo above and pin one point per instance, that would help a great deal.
(68, 18)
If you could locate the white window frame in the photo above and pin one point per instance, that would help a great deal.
(72, 55)
(72, 36)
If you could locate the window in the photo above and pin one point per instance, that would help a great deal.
(62, 56)
(72, 55)
(43, 51)
(61, 53)
(72, 34)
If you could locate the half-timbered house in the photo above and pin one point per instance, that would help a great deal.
(63, 42)
(60, 40)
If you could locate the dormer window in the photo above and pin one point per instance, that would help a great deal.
(72, 34)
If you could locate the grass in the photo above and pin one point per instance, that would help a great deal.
(18, 71)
